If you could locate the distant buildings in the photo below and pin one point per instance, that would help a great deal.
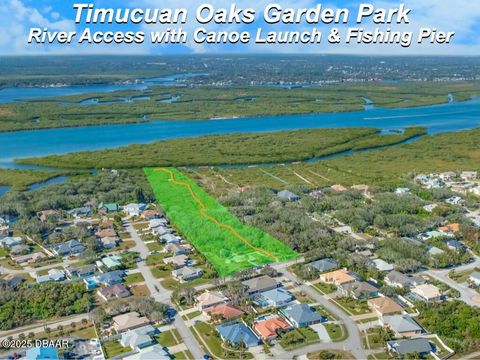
(288, 196)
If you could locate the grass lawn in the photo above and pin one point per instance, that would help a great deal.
(87, 333)
(184, 355)
(460, 276)
(330, 354)
(325, 288)
(171, 284)
(374, 340)
(169, 338)
(365, 321)
(155, 259)
(222, 238)
(3, 252)
(9, 264)
(336, 332)
(134, 278)
(302, 297)
(324, 312)
(298, 338)
(113, 348)
(125, 245)
(45, 272)
(161, 271)
(192, 315)
(380, 356)
(140, 227)
(155, 246)
(355, 307)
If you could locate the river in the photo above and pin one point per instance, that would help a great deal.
(438, 118)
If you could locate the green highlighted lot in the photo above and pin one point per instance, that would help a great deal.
(223, 239)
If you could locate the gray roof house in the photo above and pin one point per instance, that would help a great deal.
(236, 332)
(402, 325)
(419, 346)
(358, 290)
(259, 284)
(288, 196)
(324, 265)
(275, 298)
(81, 271)
(138, 338)
(187, 274)
(71, 247)
(8, 242)
(397, 279)
(302, 315)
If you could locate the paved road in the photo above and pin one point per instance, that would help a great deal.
(353, 344)
(466, 294)
(5, 270)
(40, 328)
(161, 294)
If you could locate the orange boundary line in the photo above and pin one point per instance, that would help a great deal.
(202, 212)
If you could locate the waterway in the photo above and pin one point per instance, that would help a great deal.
(439, 118)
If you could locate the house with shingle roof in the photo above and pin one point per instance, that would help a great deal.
(324, 265)
(337, 277)
(139, 338)
(68, 248)
(260, 284)
(236, 332)
(210, 298)
(403, 348)
(274, 298)
(225, 311)
(401, 325)
(358, 290)
(384, 306)
(129, 321)
(301, 315)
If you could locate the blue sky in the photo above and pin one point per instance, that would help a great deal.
(17, 16)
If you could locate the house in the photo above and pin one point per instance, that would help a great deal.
(107, 232)
(396, 279)
(431, 235)
(134, 209)
(260, 284)
(324, 265)
(20, 250)
(288, 196)
(129, 321)
(80, 212)
(382, 265)
(454, 200)
(110, 262)
(110, 242)
(475, 278)
(317, 194)
(15, 281)
(402, 191)
(274, 298)
(403, 348)
(401, 325)
(151, 214)
(42, 353)
(337, 277)
(186, 274)
(449, 229)
(170, 239)
(162, 231)
(139, 338)
(476, 190)
(81, 272)
(9, 242)
(106, 208)
(44, 215)
(301, 315)
(384, 306)
(469, 175)
(448, 176)
(268, 327)
(69, 248)
(430, 207)
(225, 311)
(177, 261)
(210, 298)
(113, 292)
(106, 279)
(155, 222)
(156, 352)
(175, 249)
(52, 275)
(435, 251)
(236, 332)
(427, 292)
(456, 246)
(29, 258)
(338, 188)
(358, 290)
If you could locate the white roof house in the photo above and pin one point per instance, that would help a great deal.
(382, 265)
(134, 209)
(427, 292)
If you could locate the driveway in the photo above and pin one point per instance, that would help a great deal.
(322, 332)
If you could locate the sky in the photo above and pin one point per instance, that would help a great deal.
(18, 16)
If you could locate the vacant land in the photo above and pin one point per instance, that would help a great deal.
(273, 147)
(226, 242)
